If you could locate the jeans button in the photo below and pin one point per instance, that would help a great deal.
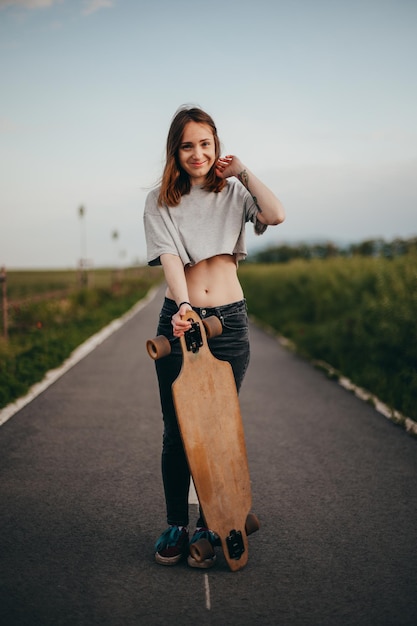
(203, 312)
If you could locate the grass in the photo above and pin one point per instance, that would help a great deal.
(357, 314)
(30, 283)
(43, 331)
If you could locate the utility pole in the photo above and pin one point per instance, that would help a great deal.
(116, 271)
(3, 282)
(83, 246)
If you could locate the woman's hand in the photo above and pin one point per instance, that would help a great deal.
(270, 209)
(229, 166)
(181, 326)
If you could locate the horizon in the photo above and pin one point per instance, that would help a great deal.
(340, 246)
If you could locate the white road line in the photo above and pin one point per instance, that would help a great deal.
(78, 354)
(207, 590)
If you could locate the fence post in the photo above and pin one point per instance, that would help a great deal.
(3, 281)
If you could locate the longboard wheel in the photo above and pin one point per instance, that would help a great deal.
(251, 524)
(201, 550)
(213, 326)
(158, 347)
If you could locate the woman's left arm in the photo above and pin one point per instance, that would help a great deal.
(271, 211)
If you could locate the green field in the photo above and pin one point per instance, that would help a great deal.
(357, 314)
(50, 314)
(28, 283)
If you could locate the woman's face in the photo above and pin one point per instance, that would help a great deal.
(197, 151)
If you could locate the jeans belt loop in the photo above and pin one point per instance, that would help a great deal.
(219, 314)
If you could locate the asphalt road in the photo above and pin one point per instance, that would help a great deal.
(81, 503)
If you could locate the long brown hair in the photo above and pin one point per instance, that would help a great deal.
(175, 182)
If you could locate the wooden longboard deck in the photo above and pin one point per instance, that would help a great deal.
(208, 413)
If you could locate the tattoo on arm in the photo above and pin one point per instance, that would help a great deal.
(244, 179)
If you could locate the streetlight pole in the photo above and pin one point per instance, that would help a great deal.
(83, 245)
(3, 281)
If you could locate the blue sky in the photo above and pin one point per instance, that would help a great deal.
(317, 97)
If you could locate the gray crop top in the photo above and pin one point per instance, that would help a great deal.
(203, 225)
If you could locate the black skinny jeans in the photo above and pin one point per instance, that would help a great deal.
(232, 346)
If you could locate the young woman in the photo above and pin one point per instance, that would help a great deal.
(195, 228)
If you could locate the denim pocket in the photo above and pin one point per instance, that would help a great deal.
(235, 321)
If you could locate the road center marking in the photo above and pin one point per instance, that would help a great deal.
(207, 590)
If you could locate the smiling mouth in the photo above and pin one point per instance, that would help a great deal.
(199, 164)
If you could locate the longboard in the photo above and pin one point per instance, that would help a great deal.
(209, 418)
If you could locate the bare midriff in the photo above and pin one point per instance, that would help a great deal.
(213, 282)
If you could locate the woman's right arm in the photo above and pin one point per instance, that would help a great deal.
(177, 284)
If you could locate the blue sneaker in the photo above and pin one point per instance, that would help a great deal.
(209, 535)
(172, 545)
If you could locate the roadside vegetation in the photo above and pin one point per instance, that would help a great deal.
(50, 314)
(357, 313)
(354, 309)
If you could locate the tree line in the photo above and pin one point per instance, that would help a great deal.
(368, 248)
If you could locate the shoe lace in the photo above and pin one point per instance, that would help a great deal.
(203, 533)
(169, 538)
